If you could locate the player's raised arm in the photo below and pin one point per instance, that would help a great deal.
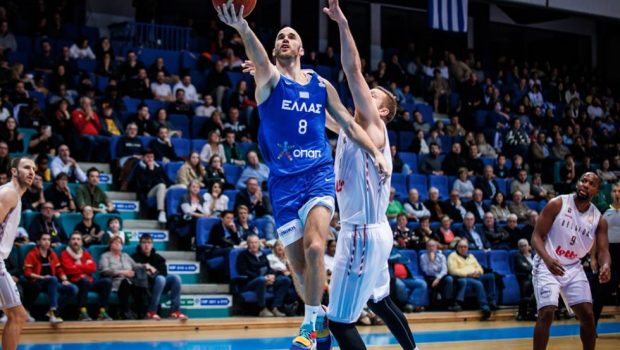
(602, 252)
(352, 66)
(266, 75)
(543, 226)
(353, 130)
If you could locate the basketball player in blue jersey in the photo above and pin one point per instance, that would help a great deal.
(292, 140)
(360, 274)
(23, 172)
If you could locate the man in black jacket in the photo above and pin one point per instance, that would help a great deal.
(47, 223)
(477, 206)
(487, 183)
(159, 280)
(162, 146)
(150, 181)
(253, 264)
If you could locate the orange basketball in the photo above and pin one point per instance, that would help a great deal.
(248, 5)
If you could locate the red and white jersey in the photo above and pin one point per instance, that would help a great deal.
(572, 233)
(8, 227)
(362, 196)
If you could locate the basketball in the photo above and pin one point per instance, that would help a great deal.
(248, 5)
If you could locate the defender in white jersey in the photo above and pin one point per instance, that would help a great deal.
(566, 230)
(23, 173)
(365, 239)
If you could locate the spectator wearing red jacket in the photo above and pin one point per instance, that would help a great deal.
(88, 125)
(79, 266)
(43, 272)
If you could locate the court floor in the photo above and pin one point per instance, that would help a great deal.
(506, 335)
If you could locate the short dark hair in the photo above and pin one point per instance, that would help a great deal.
(62, 175)
(226, 212)
(146, 236)
(598, 178)
(90, 170)
(148, 151)
(112, 219)
(401, 214)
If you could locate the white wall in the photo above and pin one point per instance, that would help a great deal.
(604, 8)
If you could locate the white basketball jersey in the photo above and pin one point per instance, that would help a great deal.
(8, 228)
(362, 196)
(572, 233)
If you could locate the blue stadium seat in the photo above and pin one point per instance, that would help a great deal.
(326, 72)
(180, 122)
(412, 263)
(173, 196)
(171, 169)
(393, 137)
(481, 256)
(91, 33)
(399, 182)
(102, 83)
(504, 186)
(203, 229)
(40, 98)
(181, 146)
(24, 44)
(19, 57)
(534, 205)
(71, 31)
(405, 138)
(427, 112)
(131, 104)
(511, 294)
(189, 60)
(245, 147)
(410, 159)
(488, 161)
(197, 144)
(68, 221)
(198, 79)
(113, 142)
(499, 262)
(446, 143)
(232, 195)
(418, 182)
(172, 59)
(232, 173)
(235, 78)
(197, 125)
(441, 182)
(154, 105)
(480, 119)
(454, 101)
(87, 65)
(102, 219)
(146, 140)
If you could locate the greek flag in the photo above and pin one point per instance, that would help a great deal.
(448, 15)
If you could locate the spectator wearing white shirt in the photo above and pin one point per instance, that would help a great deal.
(212, 147)
(215, 201)
(191, 95)
(571, 94)
(160, 89)
(594, 110)
(80, 50)
(536, 97)
(207, 108)
(63, 163)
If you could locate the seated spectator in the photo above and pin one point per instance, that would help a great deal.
(60, 195)
(605, 173)
(401, 122)
(537, 190)
(128, 152)
(222, 238)
(212, 147)
(193, 207)
(454, 161)
(179, 106)
(88, 125)
(150, 181)
(474, 163)
(410, 290)
(398, 166)
(278, 262)
(513, 231)
(43, 272)
(233, 123)
(161, 119)
(477, 240)
(528, 228)
(463, 185)
(467, 271)
(42, 142)
(476, 206)
(395, 207)
(453, 207)
(114, 229)
(254, 169)
(138, 86)
(91, 232)
(432, 164)
(499, 209)
(245, 228)
(517, 140)
(121, 268)
(215, 201)
(5, 158)
(419, 145)
(215, 173)
(232, 152)
(34, 196)
(207, 108)
(433, 204)
(160, 89)
(439, 89)
(107, 66)
(523, 263)
(455, 128)
(44, 61)
(191, 95)
(142, 119)
(215, 123)
(46, 223)
(403, 236)
(158, 67)
(517, 165)
(497, 236)
(522, 185)
(434, 267)
(501, 170)
(159, 280)
(423, 233)
(444, 235)
(486, 150)
(218, 82)
(80, 50)
(110, 125)
(90, 194)
(519, 208)
(63, 130)
(242, 100)
(414, 208)
(334, 226)
(42, 162)
(10, 135)
(253, 264)
(162, 147)
(259, 206)
(329, 257)
(79, 266)
(191, 170)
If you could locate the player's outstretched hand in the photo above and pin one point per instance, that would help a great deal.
(335, 12)
(604, 274)
(382, 166)
(228, 15)
(555, 267)
(248, 67)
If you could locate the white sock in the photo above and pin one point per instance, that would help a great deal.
(310, 314)
(321, 312)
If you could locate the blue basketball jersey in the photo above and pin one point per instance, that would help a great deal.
(292, 135)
